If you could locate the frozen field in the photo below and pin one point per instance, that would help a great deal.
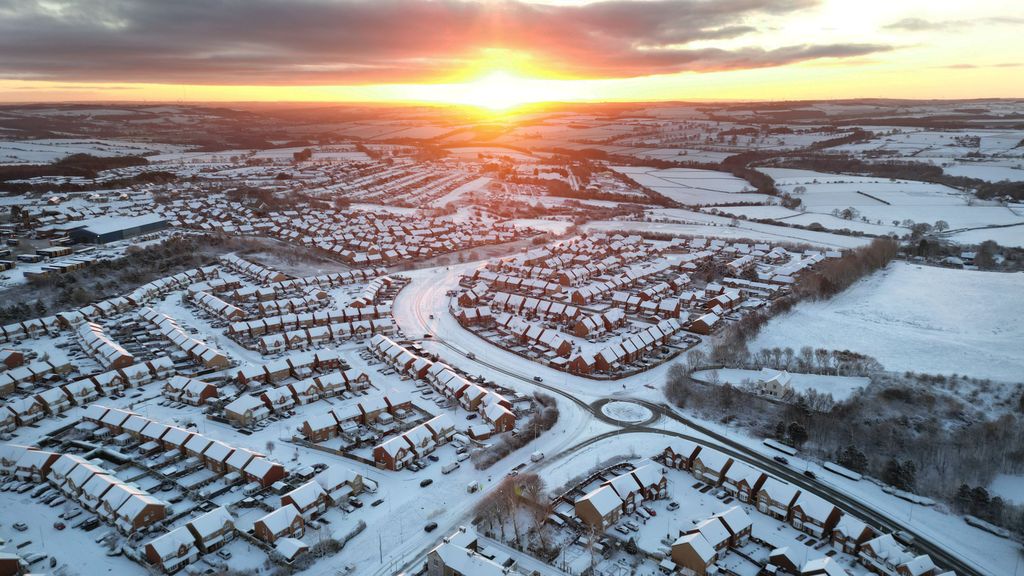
(46, 151)
(694, 187)
(920, 318)
(884, 202)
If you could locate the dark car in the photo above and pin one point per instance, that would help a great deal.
(355, 502)
(780, 459)
(810, 475)
(471, 416)
(433, 458)
(426, 482)
(377, 502)
(430, 527)
(59, 525)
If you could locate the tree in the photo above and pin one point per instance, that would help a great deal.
(941, 226)
(270, 446)
(853, 459)
(797, 434)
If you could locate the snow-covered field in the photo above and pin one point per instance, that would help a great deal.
(46, 151)
(1008, 487)
(920, 318)
(695, 187)
(840, 387)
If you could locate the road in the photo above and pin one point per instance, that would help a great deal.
(421, 309)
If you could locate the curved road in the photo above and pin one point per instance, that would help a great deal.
(420, 297)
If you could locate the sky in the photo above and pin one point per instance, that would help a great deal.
(500, 53)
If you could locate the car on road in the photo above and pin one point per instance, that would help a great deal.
(780, 459)
(431, 316)
(59, 525)
(428, 335)
(810, 475)
(471, 356)
(20, 526)
(426, 482)
(430, 527)
(538, 379)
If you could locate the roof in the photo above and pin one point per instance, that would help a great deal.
(714, 531)
(305, 495)
(814, 506)
(734, 519)
(463, 561)
(280, 519)
(698, 544)
(211, 522)
(169, 544)
(107, 224)
(290, 547)
(603, 499)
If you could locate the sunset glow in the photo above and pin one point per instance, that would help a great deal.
(497, 55)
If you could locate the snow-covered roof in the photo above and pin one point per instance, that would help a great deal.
(289, 547)
(211, 522)
(603, 499)
(306, 495)
(280, 519)
(698, 544)
(169, 545)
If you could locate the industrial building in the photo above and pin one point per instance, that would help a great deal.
(107, 229)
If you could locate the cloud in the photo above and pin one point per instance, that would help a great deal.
(923, 25)
(269, 42)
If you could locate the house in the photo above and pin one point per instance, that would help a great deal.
(93, 494)
(62, 467)
(710, 466)
(289, 548)
(775, 498)
(246, 410)
(286, 521)
(320, 427)
(239, 459)
(261, 470)
(774, 383)
(652, 483)
(216, 456)
(737, 523)
(79, 476)
(393, 454)
(213, 529)
(172, 551)
(884, 555)
(459, 555)
(704, 324)
(34, 465)
(627, 490)
(600, 508)
(814, 515)
(850, 533)
(693, 552)
(310, 499)
(189, 390)
(339, 483)
(714, 532)
(680, 455)
(138, 512)
(742, 481)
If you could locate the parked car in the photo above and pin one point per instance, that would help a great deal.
(621, 530)
(780, 459)
(471, 416)
(433, 458)
(59, 525)
(810, 475)
(224, 554)
(356, 502)
(426, 482)
(650, 511)
(20, 526)
(538, 379)
(673, 505)
(430, 527)
(377, 502)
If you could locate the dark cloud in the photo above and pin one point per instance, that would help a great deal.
(348, 42)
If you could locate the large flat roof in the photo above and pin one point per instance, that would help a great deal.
(107, 224)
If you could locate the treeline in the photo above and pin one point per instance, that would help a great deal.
(76, 165)
(148, 177)
(906, 434)
(834, 275)
(846, 164)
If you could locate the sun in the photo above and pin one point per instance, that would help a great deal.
(499, 91)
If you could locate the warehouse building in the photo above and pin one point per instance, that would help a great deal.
(107, 229)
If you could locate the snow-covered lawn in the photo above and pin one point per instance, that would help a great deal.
(920, 318)
(1008, 487)
(840, 387)
(695, 187)
(626, 411)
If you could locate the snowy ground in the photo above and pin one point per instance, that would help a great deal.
(695, 187)
(840, 387)
(920, 318)
(1008, 487)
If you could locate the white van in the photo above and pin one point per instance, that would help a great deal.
(449, 467)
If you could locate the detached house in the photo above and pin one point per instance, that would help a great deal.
(284, 522)
(600, 508)
(310, 499)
